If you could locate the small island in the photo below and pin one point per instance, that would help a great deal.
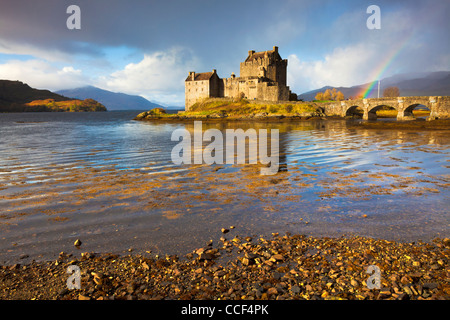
(238, 109)
(73, 105)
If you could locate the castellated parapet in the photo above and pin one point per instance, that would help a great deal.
(262, 77)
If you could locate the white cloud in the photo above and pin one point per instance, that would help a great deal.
(42, 75)
(69, 70)
(12, 47)
(346, 66)
(158, 76)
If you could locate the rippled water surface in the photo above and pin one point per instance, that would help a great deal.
(110, 181)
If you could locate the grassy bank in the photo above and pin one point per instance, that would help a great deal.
(220, 108)
(244, 106)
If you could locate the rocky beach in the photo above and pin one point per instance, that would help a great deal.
(280, 267)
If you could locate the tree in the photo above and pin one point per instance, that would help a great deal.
(319, 96)
(326, 95)
(339, 96)
(333, 94)
(391, 92)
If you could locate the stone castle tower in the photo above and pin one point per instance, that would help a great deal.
(262, 77)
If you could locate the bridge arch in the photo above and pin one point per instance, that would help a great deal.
(375, 108)
(372, 110)
(408, 112)
(354, 111)
(411, 107)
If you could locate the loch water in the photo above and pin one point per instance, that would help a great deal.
(110, 181)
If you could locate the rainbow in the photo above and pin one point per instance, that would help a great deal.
(383, 66)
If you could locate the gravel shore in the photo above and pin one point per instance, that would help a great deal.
(282, 267)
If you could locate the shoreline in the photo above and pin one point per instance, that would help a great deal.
(281, 267)
(386, 123)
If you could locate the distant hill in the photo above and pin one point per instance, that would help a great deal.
(16, 96)
(112, 100)
(410, 84)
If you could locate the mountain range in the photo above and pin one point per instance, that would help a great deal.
(111, 100)
(409, 84)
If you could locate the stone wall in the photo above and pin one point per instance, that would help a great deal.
(273, 70)
(195, 90)
(254, 89)
(253, 68)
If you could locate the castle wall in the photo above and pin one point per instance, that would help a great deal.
(253, 68)
(254, 89)
(281, 72)
(195, 90)
(215, 87)
(272, 92)
(267, 68)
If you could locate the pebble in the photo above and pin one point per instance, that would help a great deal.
(295, 289)
(407, 290)
(282, 267)
(77, 243)
(278, 257)
(272, 291)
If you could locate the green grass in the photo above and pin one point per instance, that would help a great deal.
(242, 107)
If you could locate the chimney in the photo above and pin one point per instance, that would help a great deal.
(192, 75)
(275, 48)
(214, 71)
(233, 75)
(251, 52)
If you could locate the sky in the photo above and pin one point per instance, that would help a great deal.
(148, 47)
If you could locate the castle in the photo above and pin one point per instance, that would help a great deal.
(262, 77)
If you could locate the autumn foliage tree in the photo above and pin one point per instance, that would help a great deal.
(332, 94)
(319, 96)
(391, 92)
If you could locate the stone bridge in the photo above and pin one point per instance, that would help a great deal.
(439, 107)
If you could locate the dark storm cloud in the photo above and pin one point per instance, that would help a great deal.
(146, 25)
(218, 27)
